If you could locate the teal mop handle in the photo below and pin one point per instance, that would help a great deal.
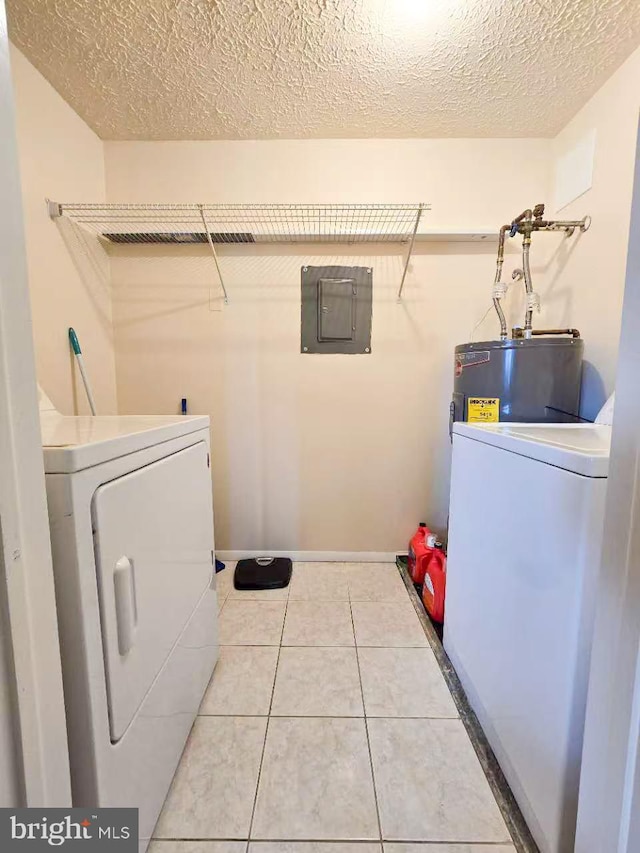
(75, 346)
(75, 343)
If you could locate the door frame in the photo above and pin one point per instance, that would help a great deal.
(26, 570)
(609, 806)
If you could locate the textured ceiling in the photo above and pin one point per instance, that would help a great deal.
(238, 69)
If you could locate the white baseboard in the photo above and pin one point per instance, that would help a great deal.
(314, 556)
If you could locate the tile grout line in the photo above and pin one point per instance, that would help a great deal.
(342, 841)
(316, 645)
(335, 716)
(266, 730)
(366, 729)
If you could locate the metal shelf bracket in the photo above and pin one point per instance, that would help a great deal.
(213, 252)
(410, 250)
(55, 209)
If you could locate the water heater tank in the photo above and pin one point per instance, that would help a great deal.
(535, 380)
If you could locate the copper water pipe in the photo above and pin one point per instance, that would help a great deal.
(539, 224)
(568, 225)
(518, 333)
(526, 223)
(529, 214)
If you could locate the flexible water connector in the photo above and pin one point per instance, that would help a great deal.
(502, 319)
(497, 283)
(528, 284)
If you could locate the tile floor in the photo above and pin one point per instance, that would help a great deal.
(328, 728)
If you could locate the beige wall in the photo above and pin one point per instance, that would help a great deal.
(278, 417)
(590, 284)
(338, 453)
(61, 158)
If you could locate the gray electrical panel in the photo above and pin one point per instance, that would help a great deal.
(336, 309)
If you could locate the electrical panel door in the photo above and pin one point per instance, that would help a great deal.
(336, 309)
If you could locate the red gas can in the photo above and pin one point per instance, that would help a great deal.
(419, 553)
(434, 586)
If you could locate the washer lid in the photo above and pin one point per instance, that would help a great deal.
(581, 448)
(73, 443)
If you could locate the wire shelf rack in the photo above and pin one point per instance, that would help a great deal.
(220, 224)
(246, 223)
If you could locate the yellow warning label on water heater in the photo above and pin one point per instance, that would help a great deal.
(483, 410)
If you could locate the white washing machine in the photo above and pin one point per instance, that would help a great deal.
(132, 535)
(526, 519)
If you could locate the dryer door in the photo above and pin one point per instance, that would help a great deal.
(153, 537)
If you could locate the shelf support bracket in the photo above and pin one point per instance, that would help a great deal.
(213, 252)
(410, 250)
(54, 209)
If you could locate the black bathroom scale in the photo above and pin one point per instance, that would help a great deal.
(263, 573)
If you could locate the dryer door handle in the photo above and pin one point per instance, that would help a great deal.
(124, 584)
